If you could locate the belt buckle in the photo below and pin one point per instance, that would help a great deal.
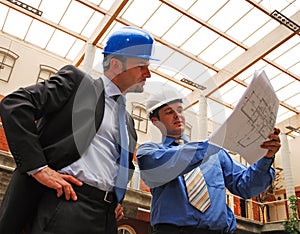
(105, 198)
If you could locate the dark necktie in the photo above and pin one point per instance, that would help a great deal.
(122, 177)
(196, 187)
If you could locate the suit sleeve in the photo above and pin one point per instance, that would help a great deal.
(21, 109)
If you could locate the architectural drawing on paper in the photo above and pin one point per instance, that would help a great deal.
(260, 119)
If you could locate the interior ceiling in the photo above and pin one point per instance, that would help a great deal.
(217, 44)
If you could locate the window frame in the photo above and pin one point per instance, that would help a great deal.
(10, 54)
(139, 118)
(45, 68)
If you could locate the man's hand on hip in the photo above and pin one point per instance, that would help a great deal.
(60, 182)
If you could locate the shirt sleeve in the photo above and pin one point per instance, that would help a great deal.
(243, 181)
(156, 160)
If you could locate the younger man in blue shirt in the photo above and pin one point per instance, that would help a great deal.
(164, 165)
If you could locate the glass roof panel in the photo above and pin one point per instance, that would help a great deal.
(114, 27)
(162, 52)
(156, 25)
(229, 14)
(71, 20)
(295, 69)
(96, 2)
(288, 59)
(233, 95)
(199, 41)
(280, 81)
(60, 43)
(229, 57)
(283, 48)
(75, 49)
(17, 24)
(288, 91)
(217, 50)
(260, 33)
(193, 70)
(35, 29)
(204, 76)
(248, 24)
(205, 11)
(167, 70)
(136, 12)
(92, 24)
(54, 10)
(106, 4)
(273, 5)
(184, 4)
(3, 13)
(176, 62)
(294, 101)
(271, 71)
(283, 114)
(224, 89)
(185, 32)
(220, 116)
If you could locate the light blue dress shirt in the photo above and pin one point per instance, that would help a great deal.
(162, 168)
(97, 166)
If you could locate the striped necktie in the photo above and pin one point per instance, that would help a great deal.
(122, 177)
(196, 187)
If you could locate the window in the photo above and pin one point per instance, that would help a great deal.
(139, 115)
(45, 73)
(126, 229)
(7, 62)
(188, 131)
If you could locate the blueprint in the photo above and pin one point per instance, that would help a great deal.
(251, 121)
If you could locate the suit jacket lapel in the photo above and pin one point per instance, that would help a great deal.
(99, 112)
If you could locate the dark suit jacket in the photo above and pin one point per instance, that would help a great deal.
(52, 123)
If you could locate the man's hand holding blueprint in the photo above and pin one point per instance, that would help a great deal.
(251, 122)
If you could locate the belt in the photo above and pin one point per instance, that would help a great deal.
(95, 193)
(185, 229)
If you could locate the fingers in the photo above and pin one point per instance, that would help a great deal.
(272, 145)
(68, 189)
(119, 212)
(57, 181)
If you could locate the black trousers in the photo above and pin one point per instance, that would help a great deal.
(19, 203)
(173, 229)
(92, 213)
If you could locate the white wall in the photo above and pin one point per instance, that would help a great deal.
(26, 68)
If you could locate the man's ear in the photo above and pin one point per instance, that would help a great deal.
(116, 65)
(155, 121)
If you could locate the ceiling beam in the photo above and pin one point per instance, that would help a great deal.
(258, 51)
(106, 22)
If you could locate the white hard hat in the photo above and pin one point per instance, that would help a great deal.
(163, 96)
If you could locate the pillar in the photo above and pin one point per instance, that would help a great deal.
(287, 170)
(89, 57)
(203, 121)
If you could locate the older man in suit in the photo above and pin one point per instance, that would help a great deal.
(64, 136)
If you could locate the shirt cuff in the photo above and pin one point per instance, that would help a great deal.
(36, 170)
(265, 163)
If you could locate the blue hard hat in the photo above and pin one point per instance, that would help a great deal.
(130, 41)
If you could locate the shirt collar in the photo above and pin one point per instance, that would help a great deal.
(167, 140)
(110, 88)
